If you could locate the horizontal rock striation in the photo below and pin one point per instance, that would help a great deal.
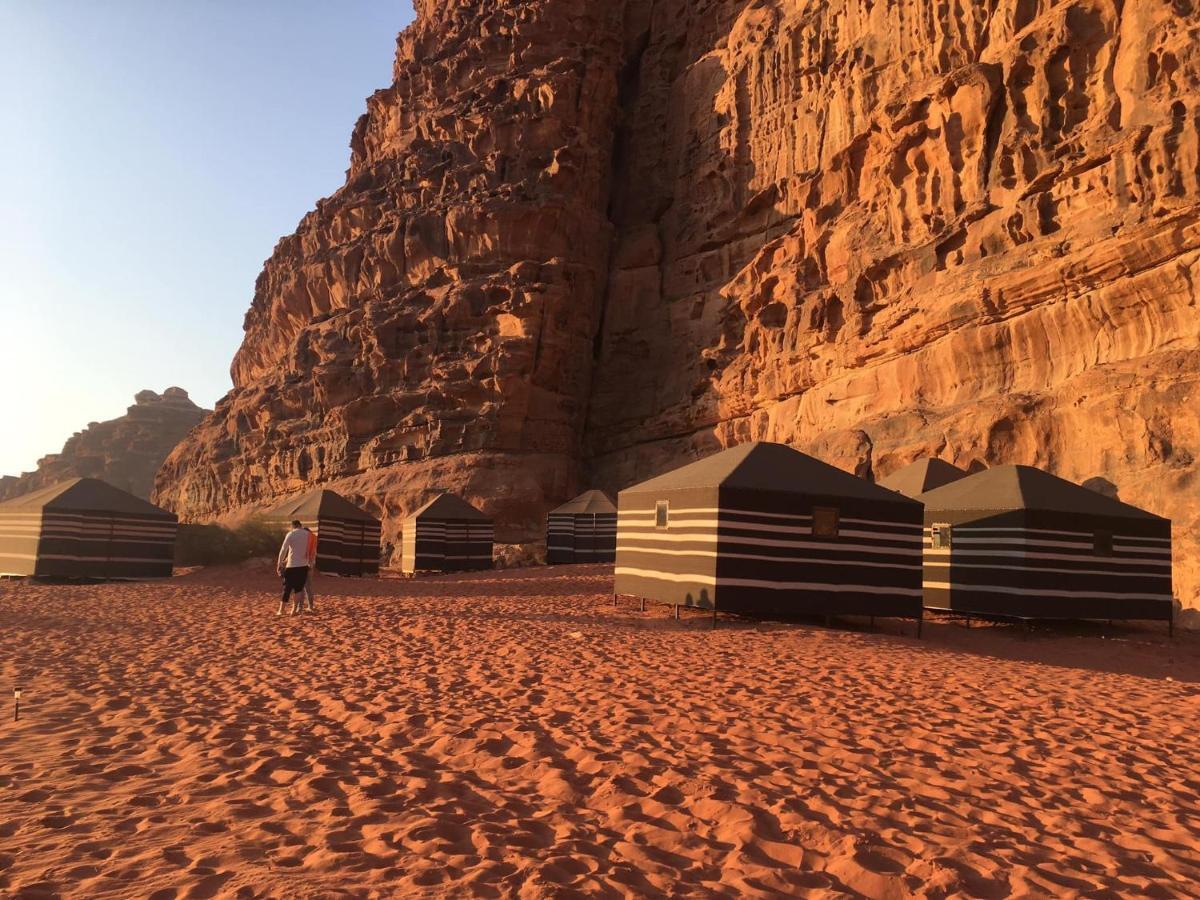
(585, 242)
(125, 452)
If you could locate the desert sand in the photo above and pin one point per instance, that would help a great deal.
(512, 734)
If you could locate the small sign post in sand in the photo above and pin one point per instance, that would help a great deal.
(16, 704)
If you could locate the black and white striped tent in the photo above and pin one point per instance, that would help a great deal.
(763, 529)
(583, 530)
(85, 528)
(923, 475)
(447, 534)
(347, 536)
(1015, 541)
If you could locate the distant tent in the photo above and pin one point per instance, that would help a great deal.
(1017, 541)
(347, 536)
(763, 528)
(447, 534)
(921, 476)
(85, 528)
(582, 530)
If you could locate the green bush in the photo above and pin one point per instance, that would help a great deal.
(211, 545)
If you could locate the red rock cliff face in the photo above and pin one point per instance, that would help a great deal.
(432, 323)
(126, 452)
(583, 242)
(882, 231)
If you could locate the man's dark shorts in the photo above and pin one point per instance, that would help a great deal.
(294, 580)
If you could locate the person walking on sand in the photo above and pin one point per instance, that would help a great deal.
(312, 569)
(292, 565)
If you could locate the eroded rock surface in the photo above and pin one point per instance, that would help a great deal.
(126, 451)
(580, 243)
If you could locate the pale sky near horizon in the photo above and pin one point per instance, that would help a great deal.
(151, 155)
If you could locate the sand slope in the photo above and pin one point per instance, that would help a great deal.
(510, 734)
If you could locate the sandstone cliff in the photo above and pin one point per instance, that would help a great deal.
(126, 452)
(580, 242)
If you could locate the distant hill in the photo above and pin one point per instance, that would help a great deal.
(126, 452)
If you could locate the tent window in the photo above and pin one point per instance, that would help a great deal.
(940, 535)
(825, 521)
(661, 513)
(1103, 543)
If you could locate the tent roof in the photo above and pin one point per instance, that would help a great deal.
(587, 502)
(85, 495)
(923, 475)
(763, 466)
(1024, 487)
(320, 502)
(449, 506)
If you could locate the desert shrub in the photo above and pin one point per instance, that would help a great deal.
(211, 545)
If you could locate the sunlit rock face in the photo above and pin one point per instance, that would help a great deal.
(126, 451)
(432, 323)
(580, 243)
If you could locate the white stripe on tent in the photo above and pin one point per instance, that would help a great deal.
(1066, 557)
(69, 558)
(725, 540)
(770, 585)
(789, 560)
(1038, 592)
(649, 515)
(1029, 542)
(1033, 570)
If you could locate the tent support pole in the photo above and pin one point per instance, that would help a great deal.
(676, 611)
(643, 609)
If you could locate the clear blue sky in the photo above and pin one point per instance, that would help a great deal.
(151, 154)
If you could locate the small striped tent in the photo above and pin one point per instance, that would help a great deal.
(347, 536)
(1018, 542)
(765, 529)
(583, 530)
(447, 534)
(921, 476)
(87, 529)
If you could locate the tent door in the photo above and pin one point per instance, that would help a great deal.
(585, 538)
(362, 548)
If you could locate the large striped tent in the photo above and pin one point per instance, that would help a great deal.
(582, 530)
(923, 475)
(763, 528)
(87, 529)
(1018, 542)
(447, 534)
(347, 536)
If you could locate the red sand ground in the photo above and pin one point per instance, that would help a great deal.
(510, 734)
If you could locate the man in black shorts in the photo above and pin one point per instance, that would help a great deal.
(293, 566)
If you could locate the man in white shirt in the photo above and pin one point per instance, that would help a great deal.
(293, 566)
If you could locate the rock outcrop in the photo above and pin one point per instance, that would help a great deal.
(584, 242)
(126, 452)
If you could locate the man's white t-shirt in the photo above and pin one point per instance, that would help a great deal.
(294, 552)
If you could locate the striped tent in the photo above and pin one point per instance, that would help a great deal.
(763, 528)
(347, 536)
(921, 476)
(447, 534)
(1018, 542)
(583, 530)
(85, 528)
